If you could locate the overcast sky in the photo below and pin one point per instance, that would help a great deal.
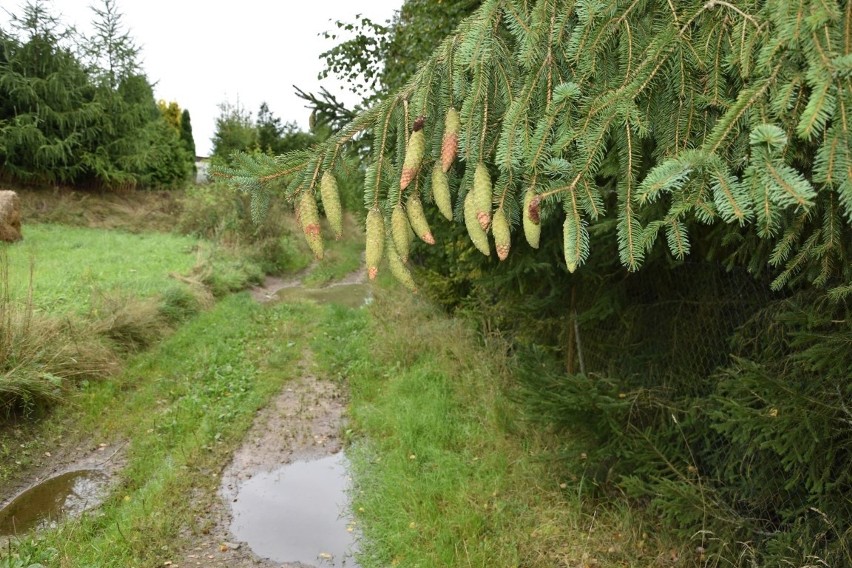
(201, 53)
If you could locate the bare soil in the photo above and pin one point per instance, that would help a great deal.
(66, 456)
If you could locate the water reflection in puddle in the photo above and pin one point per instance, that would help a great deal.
(349, 295)
(68, 494)
(298, 513)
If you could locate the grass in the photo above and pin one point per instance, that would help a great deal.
(73, 265)
(447, 474)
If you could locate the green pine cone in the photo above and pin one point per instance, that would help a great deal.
(331, 203)
(476, 232)
(450, 142)
(532, 226)
(401, 232)
(502, 233)
(413, 158)
(375, 241)
(482, 195)
(399, 270)
(441, 192)
(309, 220)
(418, 220)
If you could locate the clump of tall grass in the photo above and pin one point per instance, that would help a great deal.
(41, 357)
(216, 213)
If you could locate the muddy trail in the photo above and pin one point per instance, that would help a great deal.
(282, 498)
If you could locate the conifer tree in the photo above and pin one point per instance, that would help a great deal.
(46, 97)
(649, 118)
(186, 132)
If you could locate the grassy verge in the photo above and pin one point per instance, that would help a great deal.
(182, 408)
(73, 266)
(447, 474)
(73, 301)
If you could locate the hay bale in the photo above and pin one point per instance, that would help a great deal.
(10, 217)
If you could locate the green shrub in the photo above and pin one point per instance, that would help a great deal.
(738, 438)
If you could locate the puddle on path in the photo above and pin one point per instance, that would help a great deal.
(65, 495)
(298, 513)
(349, 295)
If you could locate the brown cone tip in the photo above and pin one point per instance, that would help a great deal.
(535, 209)
(418, 123)
(372, 272)
(502, 252)
(428, 238)
(484, 220)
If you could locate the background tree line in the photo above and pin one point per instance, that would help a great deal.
(78, 110)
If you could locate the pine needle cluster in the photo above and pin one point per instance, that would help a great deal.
(651, 116)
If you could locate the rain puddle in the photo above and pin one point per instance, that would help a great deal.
(66, 495)
(298, 513)
(349, 295)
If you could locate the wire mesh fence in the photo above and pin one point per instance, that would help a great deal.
(730, 405)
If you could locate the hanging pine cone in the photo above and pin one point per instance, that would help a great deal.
(401, 232)
(418, 220)
(308, 216)
(476, 232)
(532, 218)
(482, 195)
(450, 143)
(502, 233)
(441, 192)
(413, 154)
(331, 203)
(399, 270)
(375, 241)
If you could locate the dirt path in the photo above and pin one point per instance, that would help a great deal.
(302, 423)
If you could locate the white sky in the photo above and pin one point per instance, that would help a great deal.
(203, 53)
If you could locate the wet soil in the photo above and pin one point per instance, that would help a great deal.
(53, 490)
(302, 424)
(68, 494)
(296, 437)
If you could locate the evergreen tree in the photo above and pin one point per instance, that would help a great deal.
(111, 52)
(645, 117)
(125, 96)
(269, 130)
(186, 132)
(47, 100)
(234, 131)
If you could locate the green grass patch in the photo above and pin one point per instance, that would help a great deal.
(446, 472)
(72, 265)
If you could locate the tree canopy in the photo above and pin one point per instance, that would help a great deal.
(647, 118)
(78, 110)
